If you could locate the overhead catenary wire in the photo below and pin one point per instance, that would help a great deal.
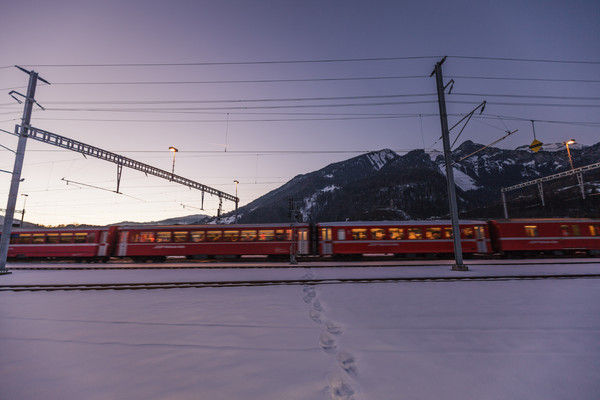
(311, 61)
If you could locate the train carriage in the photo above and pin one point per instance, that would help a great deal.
(91, 244)
(401, 237)
(552, 236)
(206, 241)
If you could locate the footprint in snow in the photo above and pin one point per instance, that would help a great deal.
(315, 316)
(333, 328)
(340, 389)
(347, 362)
(327, 343)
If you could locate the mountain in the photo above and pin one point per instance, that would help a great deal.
(316, 193)
(383, 185)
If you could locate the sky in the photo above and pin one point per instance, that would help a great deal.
(262, 91)
(504, 339)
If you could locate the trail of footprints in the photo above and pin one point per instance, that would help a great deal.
(340, 380)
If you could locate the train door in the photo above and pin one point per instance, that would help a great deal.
(326, 241)
(103, 244)
(303, 241)
(122, 249)
(480, 239)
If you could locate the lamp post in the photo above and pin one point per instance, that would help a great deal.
(579, 174)
(236, 208)
(23, 211)
(567, 143)
(174, 150)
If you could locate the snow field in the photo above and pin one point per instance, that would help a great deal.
(533, 339)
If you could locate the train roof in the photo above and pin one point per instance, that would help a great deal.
(544, 220)
(402, 223)
(214, 226)
(61, 229)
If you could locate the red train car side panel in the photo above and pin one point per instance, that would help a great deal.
(78, 243)
(401, 237)
(209, 240)
(538, 235)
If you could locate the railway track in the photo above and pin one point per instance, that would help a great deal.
(291, 282)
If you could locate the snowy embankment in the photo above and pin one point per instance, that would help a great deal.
(533, 339)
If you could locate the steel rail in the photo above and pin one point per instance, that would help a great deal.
(290, 282)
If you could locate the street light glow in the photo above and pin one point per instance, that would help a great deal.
(567, 143)
(174, 150)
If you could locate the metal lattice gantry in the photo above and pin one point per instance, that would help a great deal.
(121, 161)
(576, 171)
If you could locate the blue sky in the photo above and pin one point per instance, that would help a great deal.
(258, 103)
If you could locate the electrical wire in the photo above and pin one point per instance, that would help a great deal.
(267, 62)
(526, 60)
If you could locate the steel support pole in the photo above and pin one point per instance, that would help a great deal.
(541, 191)
(504, 205)
(16, 173)
(458, 257)
(580, 181)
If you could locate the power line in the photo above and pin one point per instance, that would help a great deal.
(527, 96)
(526, 60)
(128, 102)
(292, 80)
(499, 103)
(360, 97)
(309, 61)
(266, 62)
(195, 109)
(243, 81)
(508, 78)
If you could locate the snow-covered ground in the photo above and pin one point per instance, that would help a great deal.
(508, 339)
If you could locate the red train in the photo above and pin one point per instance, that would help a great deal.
(328, 239)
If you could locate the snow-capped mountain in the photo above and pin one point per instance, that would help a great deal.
(384, 185)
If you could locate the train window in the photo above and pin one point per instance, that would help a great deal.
(575, 230)
(341, 233)
(396, 233)
(280, 234)
(213, 236)
(468, 233)
(480, 232)
(415, 233)
(91, 237)
(144, 237)
(377, 234)
(564, 230)
(197, 236)
(302, 234)
(179, 237)
(359, 234)
(248, 236)
(52, 238)
(20, 238)
(266, 234)
(326, 234)
(80, 237)
(594, 230)
(38, 238)
(231, 236)
(531, 231)
(66, 237)
(433, 233)
(162, 237)
(448, 233)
